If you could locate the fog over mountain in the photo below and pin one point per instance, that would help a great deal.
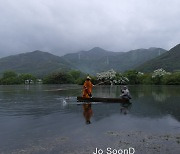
(66, 26)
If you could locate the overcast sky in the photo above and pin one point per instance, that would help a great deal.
(64, 26)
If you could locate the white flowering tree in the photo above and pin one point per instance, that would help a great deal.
(158, 75)
(120, 79)
(111, 77)
(140, 73)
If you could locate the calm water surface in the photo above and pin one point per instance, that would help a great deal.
(47, 118)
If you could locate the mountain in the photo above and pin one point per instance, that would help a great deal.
(92, 61)
(95, 60)
(98, 60)
(36, 62)
(168, 61)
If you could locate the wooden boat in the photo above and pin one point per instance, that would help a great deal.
(104, 100)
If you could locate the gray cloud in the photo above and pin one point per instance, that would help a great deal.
(64, 26)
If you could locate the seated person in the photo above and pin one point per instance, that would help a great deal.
(125, 93)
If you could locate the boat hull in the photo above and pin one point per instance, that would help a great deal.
(104, 100)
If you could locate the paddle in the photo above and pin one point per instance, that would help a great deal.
(101, 83)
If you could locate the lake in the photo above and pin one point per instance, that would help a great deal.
(47, 119)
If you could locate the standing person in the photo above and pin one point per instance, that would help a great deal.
(125, 93)
(87, 88)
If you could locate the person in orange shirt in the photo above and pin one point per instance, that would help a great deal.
(87, 88)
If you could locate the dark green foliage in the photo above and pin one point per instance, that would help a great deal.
(10, 81)
(172, 79)
(9, 74)
(73, 77)
(75, 74)
(146, 79)
(132, 75)
(23, 77)
(10, 78)
(78, 76)
(27, 77)
(157, 80)
(80, 81)
(59, 78)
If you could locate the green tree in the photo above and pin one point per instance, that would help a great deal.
(58, 78)
(158, 75)
(24, 77)
(9, 74)
(132, 75)
(146, 79)
(9, 78)
(78, 76)
(75, 74)
(171, 79)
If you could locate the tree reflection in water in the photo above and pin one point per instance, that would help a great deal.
(160, 97)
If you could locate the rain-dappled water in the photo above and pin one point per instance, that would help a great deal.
(47, 119)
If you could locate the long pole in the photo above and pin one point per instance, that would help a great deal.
(101, 83)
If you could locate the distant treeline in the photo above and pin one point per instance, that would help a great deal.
(67, 77)
(158, 77)
(132, 77)
(10, 78)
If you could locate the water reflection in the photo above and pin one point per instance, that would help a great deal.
(148, 101)
(125, 108)
(87, 112)
(160, 97)
(31, 114)
(159, 93)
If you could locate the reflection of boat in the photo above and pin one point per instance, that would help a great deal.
(105, 100)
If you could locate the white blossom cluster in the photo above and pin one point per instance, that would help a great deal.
(159, 72)
(121, 80)
(140, 73)
(106, 75)
(112, 78)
